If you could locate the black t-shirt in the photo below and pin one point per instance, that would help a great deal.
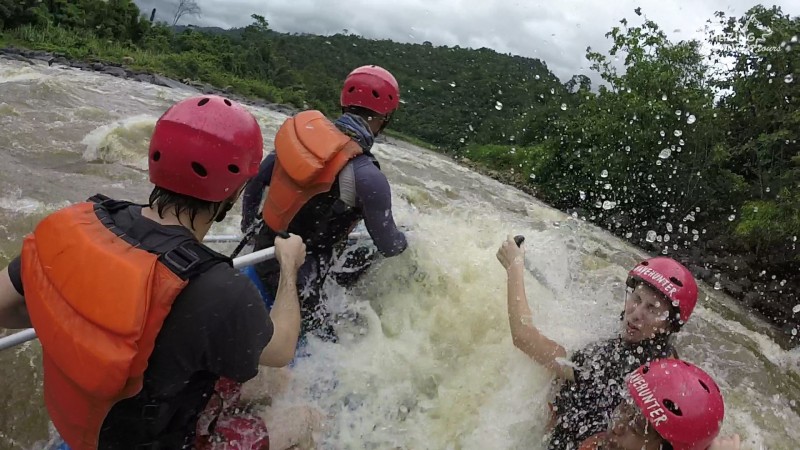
(218, 327)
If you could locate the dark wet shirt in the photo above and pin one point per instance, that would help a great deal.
(582, 407)
(373, 195)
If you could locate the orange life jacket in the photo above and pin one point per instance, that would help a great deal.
(309, 153)
(97, 303)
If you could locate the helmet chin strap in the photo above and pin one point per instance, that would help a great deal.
(384, 123)
(226, 206)
(386, 119)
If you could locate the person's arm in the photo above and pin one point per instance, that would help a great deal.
(254, 191)
(285, 313)
(13, 312)
(375, 197)
(525, 336)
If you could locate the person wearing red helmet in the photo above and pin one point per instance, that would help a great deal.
(667, 404)
(660, 297)
(322, 180)
(138, 320)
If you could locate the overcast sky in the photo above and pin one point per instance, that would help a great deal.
(555, 32)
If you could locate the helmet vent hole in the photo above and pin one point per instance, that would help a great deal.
(705, 386)
(352, 88)
(203, 101)
(376, 94)
(199, 169)
(156, 155)
(672, 407)
(645, 263)
(391, 97)
(233, 168)
(676, 281)
(645, 369)
(228, 102)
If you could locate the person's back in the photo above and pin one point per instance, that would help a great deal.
(358, 191)
(136, 317)
(322, 229)
(217, 327)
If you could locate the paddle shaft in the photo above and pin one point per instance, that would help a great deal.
(242, 261)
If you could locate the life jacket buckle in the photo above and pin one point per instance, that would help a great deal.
(151, 411)
(181, 258)
(339, 207)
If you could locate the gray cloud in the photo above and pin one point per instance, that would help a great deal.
(556, 33)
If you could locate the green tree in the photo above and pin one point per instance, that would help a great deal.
(759, 102)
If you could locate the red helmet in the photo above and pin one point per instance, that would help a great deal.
(682, 402)
(670, 278)
(205, 147)
(373, 88)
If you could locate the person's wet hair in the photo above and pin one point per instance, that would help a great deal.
(364, 113)
(162, 200)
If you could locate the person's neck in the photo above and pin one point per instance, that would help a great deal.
(199, 227)
(658, 344)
